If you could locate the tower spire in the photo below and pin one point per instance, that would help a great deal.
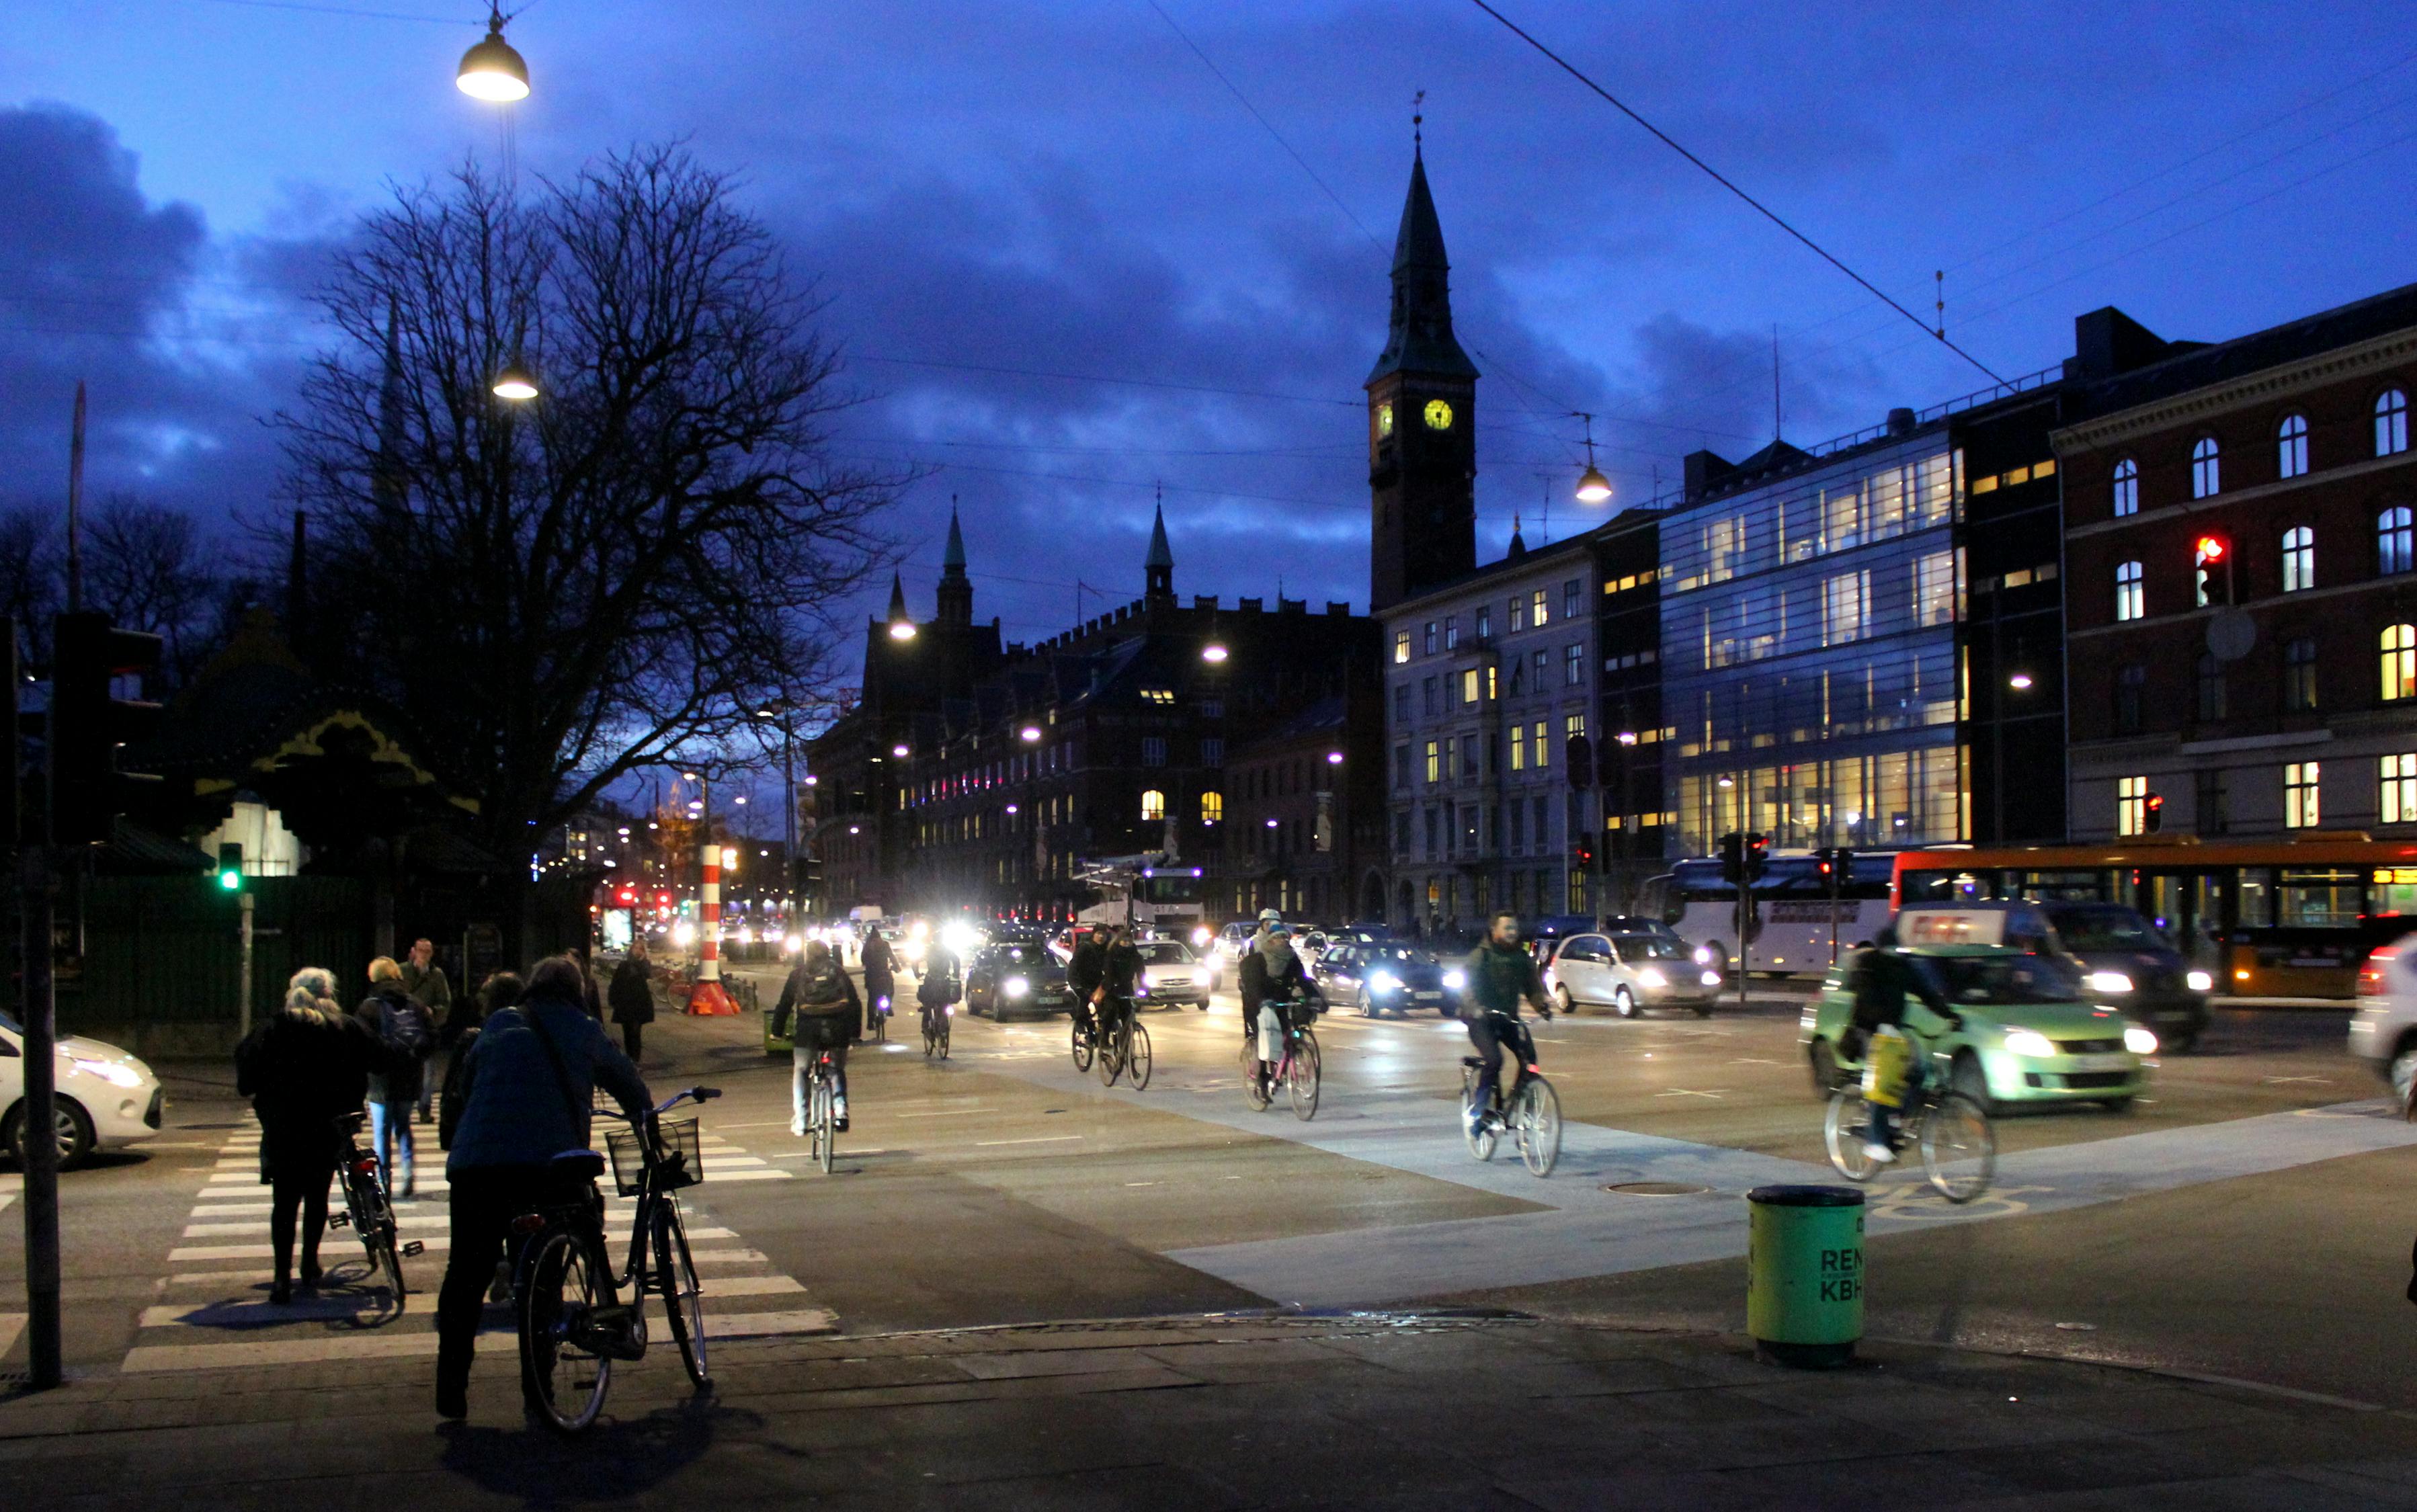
(1419, 337)
(1158, 568)
(956, 589)
(897, 601)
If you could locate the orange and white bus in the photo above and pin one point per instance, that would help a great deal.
(2266, 920)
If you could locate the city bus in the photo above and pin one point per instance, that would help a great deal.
(2266, 920)
(1797, 925)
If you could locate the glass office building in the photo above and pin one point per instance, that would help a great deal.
(1809, 611)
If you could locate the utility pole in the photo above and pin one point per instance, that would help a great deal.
(39, 1122)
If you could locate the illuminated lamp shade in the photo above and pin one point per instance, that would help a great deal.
(515, 382)
(2019, 682)
(902, 629)
(494, 69)
(899, 750)
(1333, 757)
(1213, 652)
(1593, 488)
(1031, 733)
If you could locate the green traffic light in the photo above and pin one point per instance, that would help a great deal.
(230, 880)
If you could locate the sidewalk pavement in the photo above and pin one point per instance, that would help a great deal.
(1373, 1410)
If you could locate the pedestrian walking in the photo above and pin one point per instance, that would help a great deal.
(528, 1086)
(305, 1067)
(459, 1031)
(634, 997)
(818, 1010)
(403, 1027)
(425, 981)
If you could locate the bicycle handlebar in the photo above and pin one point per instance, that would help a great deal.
(699, 1094)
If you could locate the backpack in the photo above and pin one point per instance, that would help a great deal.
(408, 1030)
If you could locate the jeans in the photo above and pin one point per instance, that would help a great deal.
(390, 1125)
(1487, 1038)
(802, 1061)
(485, 1200)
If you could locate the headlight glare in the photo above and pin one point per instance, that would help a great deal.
(1383, 982)
(2199, 981)
(108, 1071)
(1015, 986)
(2139, 1041)
(1455, 980)
(2028, 1042)
(2109, 981)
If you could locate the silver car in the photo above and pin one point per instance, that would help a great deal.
(1630, 972)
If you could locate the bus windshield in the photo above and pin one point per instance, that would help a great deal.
(2105, 928)
(2000, 979)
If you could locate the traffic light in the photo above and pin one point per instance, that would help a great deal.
(1582, 855)
(1733, 858)
(2212, 555)
(231, 866)
(1825, 863)
(1757, 856)
(2152, 812)
(89, 722)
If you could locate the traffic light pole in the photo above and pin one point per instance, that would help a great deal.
(243, 973)
(39, 1121)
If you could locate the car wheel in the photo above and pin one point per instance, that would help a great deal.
(2404, 1073)
(1623, 1002)
(1827, 1076)
(1968, 1079)
(1569, 1003)
(74, 1132)
(1719, 961)
(2117, 1105)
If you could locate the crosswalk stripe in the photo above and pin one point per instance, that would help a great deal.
(367, 1345)
(768, 1325)
(11, 1324)
(749, 1286)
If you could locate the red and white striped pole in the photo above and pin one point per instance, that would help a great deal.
(708, 996)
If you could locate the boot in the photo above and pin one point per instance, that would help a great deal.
(839, 1113)
(282, 1293)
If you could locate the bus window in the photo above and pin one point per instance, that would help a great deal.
(1657, 900)
(2065, 886)
(2319, 900)
(1928, 887)
(2392, 892)
(2256, 906)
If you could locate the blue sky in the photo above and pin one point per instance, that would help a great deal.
(1069, 188)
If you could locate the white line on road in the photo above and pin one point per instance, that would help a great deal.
(1037, 1138)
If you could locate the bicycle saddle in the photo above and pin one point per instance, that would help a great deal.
(585, 1165)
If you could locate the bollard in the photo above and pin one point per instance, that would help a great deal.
(1804, 1275)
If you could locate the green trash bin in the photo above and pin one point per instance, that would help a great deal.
(1804, 1275)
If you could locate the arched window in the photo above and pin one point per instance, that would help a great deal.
(2399, 642)
(2212, 703)
(2391, 423)
(2130, 601)
(2205, 482)
(2290, 447)
(2127, 488)
(1153, 804)
(2298, 559)
(2394, 541)
(2300, 676)
(1212, 805)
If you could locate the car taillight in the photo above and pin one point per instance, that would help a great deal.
(2370, 975)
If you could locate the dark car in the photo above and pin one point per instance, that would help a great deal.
(1020, 978)
(1392, 977)
(2130, 966)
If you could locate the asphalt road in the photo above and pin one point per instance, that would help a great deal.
(2236, 1222)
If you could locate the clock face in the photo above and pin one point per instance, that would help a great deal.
(1438, 415)
(1384, 419)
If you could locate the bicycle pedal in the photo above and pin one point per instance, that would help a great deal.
(339, 1220)
(413, 1250)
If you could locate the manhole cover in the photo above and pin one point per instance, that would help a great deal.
(1655, 1189)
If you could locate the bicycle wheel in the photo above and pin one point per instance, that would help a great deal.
(945, 1022)
(1082, 1050)
(1536, 1114)
(562, 1378)
(1483, 1134)
(931, 1037)
(1254, 1089)
(1112, 1047)
(1308, 1077)
(683, 1293)
(825, 1123)
(386, 1259)
(1842, 1131)
(1137, 1058)
(1959, 1150)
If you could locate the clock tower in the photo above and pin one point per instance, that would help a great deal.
(1421, 421)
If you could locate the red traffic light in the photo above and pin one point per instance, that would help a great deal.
(2154, 812)
(2211, 549)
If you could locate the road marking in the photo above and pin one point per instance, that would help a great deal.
(1037, 1138)
(1753, 1060)
(769, 1324)
(953, 1112)
(1686, 1092)
(2281, 1081)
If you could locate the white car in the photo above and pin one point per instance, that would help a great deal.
(107, 1099)
(2383, 1031)
(1171, 973)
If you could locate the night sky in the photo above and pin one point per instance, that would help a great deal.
(1069, 189)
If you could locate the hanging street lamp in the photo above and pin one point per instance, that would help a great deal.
(1593, 488)
(494, 69)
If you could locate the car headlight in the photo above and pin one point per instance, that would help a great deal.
(2028, 1042)
(1015, 986)
(1455, 980)
(1711, 978)
(108, 1071)
(1703, 955)
(2109, 981)
(2139, 1041)
(2199, 981)
(1384, 981)
(1652, 977)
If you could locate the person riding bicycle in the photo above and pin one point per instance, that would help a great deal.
(1880, 979)
(828, 1014)
(880, 965)
(1103, 974)
(1500, 975)
(943, 984)
(528, 1086)
(1271, 979)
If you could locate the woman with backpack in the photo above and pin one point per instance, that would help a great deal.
(408, 1034)
(827, 1016)
(303, 1069)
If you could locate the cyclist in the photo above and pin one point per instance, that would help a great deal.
(1272, 978)
(942, 985)
(828, 1016)
(527, 1084)
(1880, 979)
(1500, 975)
(880, 965)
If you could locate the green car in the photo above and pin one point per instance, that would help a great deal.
(2030, 1033)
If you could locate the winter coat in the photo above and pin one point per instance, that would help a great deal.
(516, 1108)
(430, 987)
(821, 991)
(1881, 980)
(633, 1000)
(395, 1080)
(302, 1075)
(942, 983)
(1255, 983)
(1500, 977)
(880, 965)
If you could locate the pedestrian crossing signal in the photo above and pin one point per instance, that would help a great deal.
(231, 867)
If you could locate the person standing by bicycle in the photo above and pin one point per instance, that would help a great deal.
(527, 1084)
(1271, 980)
(1501, 974)
(827, 1014)
(1880, 979)
(304, 1069)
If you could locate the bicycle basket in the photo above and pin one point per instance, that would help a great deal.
(679, 1161)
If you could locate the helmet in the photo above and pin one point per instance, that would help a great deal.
(1268, 915)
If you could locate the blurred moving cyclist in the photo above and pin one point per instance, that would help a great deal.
(1501, 974)
(1880, 979)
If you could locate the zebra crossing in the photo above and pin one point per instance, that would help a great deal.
(213, 1310)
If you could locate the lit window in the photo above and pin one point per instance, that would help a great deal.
(1158, 695)
(1469, 685)
(2131, 806)
(1518, 751)
(2391, 423)
(2298, 559)
(2392, 540)
(1153, 804)
(1543, 749)
(2131, 600)
(1401, 645)
(2300, 676)
(2291, 447)
(2127, 488)
(1537, 610)
(2399, 662)
(2204, 479)
(1574, 727)
(1212, 807)
(2300, 806)
(2398, 776)
(1435, 762)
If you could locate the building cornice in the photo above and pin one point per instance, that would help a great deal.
(2262, 387)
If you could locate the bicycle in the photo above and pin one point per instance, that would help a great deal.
(1533, 1112)
(368, 1211)
(936, 1029)
(822, 1107)
(565, 1294)
(1124, 1049)
(1085, 1036)
(1299, 1066)
(881, 1018)
(1959, 1147)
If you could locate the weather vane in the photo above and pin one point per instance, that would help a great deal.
(1418, 118)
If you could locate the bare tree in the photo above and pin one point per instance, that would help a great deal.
(144, 564)
(563, 592)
